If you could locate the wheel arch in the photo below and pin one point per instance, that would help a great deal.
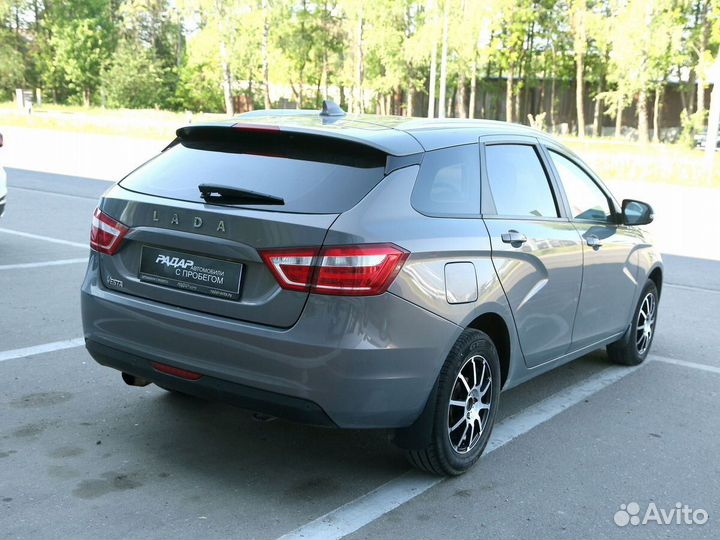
(656, 276)
(496, 328)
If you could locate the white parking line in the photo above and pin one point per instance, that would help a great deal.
(46, 238)
(41, 264)
(352, 516)
(685, 363)
(691, 288)
(41, 349)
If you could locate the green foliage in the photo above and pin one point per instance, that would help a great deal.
(81, 41)
(201, 55)
(11, 66)
(197, 90)
(136, 79)
(692, 124)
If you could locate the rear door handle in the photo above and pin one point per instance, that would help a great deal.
(593, 241)
(514, 238)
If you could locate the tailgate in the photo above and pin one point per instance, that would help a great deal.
(203, 255)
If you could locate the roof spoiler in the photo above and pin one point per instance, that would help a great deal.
(273, 141)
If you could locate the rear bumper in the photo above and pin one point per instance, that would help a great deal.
(212, 388)
(352, 362)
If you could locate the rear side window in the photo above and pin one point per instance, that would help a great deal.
(315, 176)
(448, 182)
(518, 181)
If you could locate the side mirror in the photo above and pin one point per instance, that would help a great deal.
(637, 212)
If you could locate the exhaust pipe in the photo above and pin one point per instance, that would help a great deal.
(132, 380)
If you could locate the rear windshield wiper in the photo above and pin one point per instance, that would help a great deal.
(232, 195)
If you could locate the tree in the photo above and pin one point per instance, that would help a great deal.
(444, 60)
(578, 16)
(136, 79)
(432, 30)
(11, 62)
(509, 43)
(714, 76)
(82, 38)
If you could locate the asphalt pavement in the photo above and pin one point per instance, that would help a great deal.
(82, 455)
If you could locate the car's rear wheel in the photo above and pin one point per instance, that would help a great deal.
(634, 346)
(467, 398)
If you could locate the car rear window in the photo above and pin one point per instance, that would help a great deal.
(315, 175)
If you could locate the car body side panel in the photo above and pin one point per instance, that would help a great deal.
(386, 215)
(542, 279)
(609, 282)
(648, 259)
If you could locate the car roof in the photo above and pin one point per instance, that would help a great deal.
(396, 135)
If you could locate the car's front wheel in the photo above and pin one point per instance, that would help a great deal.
(467, 398)
(634, 346)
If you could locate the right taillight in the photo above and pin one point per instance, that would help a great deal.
(361, 270)
(106, 233)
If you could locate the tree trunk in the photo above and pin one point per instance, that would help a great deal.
(580, 94)
(410, 97)
(443, 64)
(552, 103)
(359, 68)
(433, 78)
(691, 92)
(461, 107)
(433, 60)
(618, 115)
(509, 95)
(657, 114)
(714, 118)
(700, 89)
(227, 79)
(598, 116)
(705, 29)
(265, 62)
(473, 88)
(643, 135)
(86, 97)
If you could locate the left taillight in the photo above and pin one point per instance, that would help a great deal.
(360, 270)
(106, 233)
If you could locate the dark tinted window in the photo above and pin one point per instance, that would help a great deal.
(518, 181)
(586, 199)
(309, 179)
(449, 182)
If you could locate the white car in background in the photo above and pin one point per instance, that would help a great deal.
(3, 184)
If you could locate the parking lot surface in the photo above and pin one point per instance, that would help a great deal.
(82, 455)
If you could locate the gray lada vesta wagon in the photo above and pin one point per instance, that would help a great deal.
(366, 272)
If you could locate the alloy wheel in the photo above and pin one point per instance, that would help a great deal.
(645, 323)
(470, 402)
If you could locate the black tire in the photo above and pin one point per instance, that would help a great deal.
(632, 349)
(444, 454)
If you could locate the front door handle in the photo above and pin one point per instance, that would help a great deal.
(593, 241)
(514, 238)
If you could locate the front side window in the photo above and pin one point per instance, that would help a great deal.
(518, 181)
(448, 182)
(587, 201)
